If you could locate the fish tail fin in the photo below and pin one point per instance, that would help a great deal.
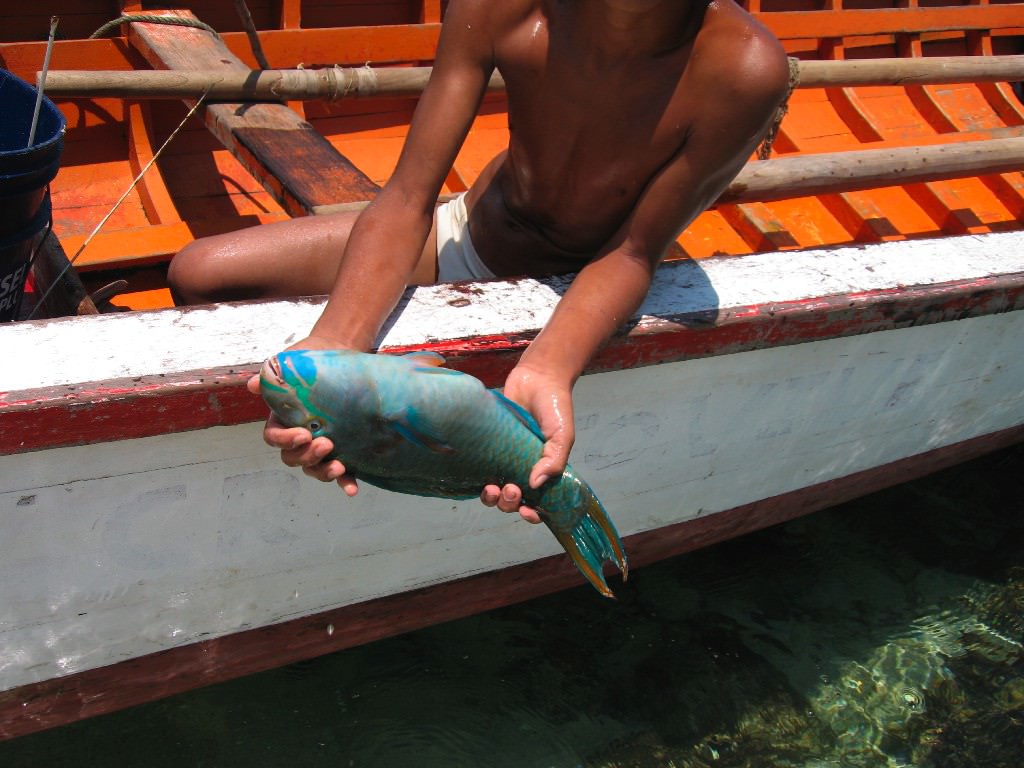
(592, 542)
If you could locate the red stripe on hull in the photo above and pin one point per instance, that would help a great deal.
(155, 405)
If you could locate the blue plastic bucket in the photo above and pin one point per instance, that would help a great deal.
(25, 173)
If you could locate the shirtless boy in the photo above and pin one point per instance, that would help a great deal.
(627, 118)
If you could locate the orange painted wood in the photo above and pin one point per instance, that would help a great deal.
(430, 12)
(335, 13)
(854, 212)
(711, 235)
(809, 222)
(156, 200)
(859, 215)
(999, 96)
(758, 226)
(348, 46)
(1009, 190)
(417, 42)
(851, 23)
(945, 209)
(25, 59)
(26, 21)
(846, 102)
(921, 96)
(290, 16)
(203, 181)
(135, 246)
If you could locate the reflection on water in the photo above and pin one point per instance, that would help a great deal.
(886, 632)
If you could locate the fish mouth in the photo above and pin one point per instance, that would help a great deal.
(271, 371)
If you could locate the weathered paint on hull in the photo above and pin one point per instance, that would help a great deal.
(61, 700)
(744, 395)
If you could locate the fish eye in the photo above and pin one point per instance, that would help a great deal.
(314, 426)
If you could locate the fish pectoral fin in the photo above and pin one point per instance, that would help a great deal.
(430, 362)
(411, 428)
(520, 413)
(423, 357)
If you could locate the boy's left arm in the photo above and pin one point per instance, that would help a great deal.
(611, 287)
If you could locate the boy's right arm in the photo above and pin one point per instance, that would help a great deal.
(388, 238)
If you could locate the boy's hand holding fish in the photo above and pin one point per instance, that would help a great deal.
(550, 402)
(298, 446)
(537, 391)
(602, 195)
(407, 424)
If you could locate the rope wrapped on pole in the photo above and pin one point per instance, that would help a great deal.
(333, 83)
(328, 84)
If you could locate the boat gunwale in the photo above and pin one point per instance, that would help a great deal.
(82, 413)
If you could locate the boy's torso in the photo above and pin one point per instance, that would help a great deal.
(587, 134)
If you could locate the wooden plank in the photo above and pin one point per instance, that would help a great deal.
(350, 46)
(412, 42)
(152, 188)
(294, 163)
(23, 59)
(789, 25)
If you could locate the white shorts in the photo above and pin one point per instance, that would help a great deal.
(457, 259)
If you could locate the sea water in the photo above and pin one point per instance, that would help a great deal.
(885, 632)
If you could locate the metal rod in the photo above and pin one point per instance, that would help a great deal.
(42, 82)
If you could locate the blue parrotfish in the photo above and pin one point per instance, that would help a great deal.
(407, 424)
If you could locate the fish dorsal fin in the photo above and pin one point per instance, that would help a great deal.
(424, 358)
(411, 427)
(520, 413)
(430, 362)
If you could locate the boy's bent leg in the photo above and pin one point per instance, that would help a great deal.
(297, 257)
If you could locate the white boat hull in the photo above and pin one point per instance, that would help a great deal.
(750, 390)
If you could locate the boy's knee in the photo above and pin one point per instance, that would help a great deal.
(191, 275)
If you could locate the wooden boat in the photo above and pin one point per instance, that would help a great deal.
(848, 316)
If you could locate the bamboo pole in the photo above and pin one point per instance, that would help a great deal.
(346, 82)
(932, 70)
(326, 84)
(833, 172)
